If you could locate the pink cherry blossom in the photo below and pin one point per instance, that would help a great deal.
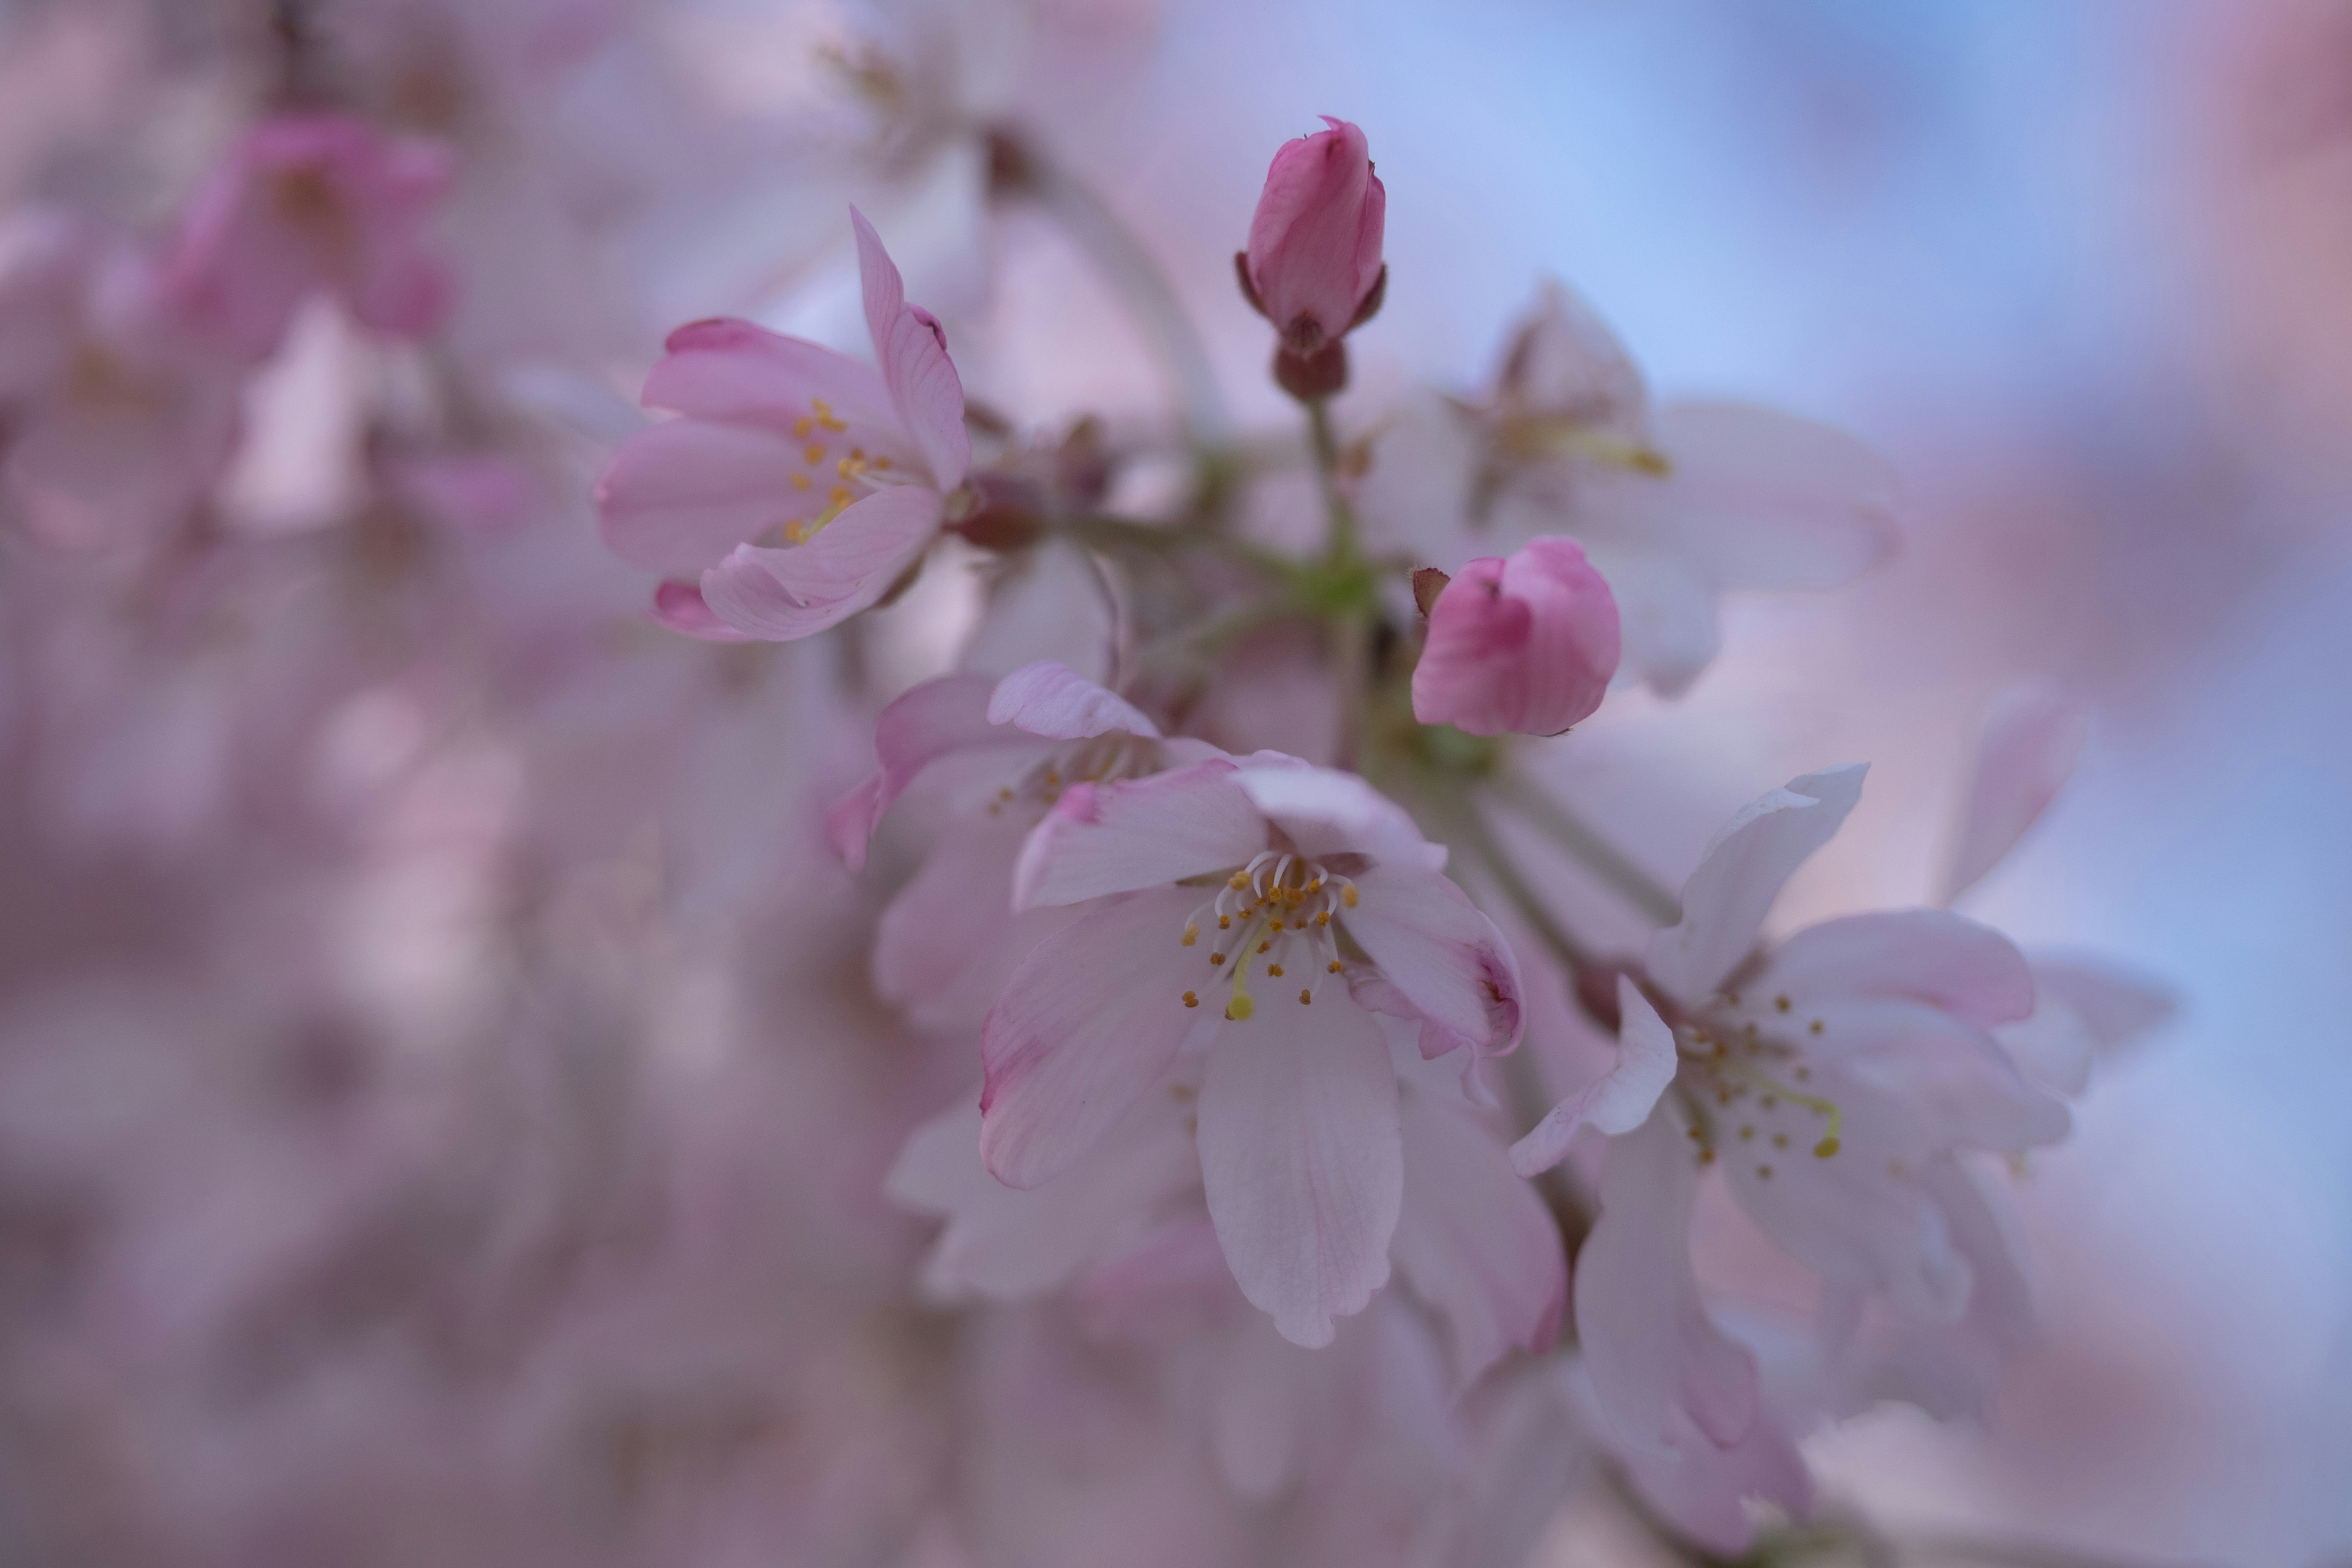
(116, 425)
(1314, 257)
(1526, 645)
(1004, 752)
(849, 468)
(1194, 883)
(310, 203)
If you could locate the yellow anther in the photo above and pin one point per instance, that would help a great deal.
(812, 454)
(824, 414)
(1263, 946)
(1706, 1156)
(1274, 969)
(848, 468)
(1333, 966)
(1763, 1172)
(1815, 1025)
(1192, 934)
(796, 532)
(1276, 926)
(1323, 919)
(1782, 1002)
(1347, 895)
(800, 481)
(881, 462)
(840, 497)
(1191, 1000)
(1216, 958)
(1052, 779)
(1237, 881)
(1305, 996)
(801, 427)
(1225, 922)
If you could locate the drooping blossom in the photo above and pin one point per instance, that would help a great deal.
(114, 426)
(311, 203)
(1192, 885)
(1526, 645)
(1673, 505)
(1313, 265)
(1836, 1079)
(845, 467)
(1006, 752)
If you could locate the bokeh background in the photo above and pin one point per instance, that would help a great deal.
(2083, 268)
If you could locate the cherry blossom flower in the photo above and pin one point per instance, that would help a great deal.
(116, 425)
(1313, 266)
(1192, 884)
(1835, 1080)
(1006, 751)
(1525, 645)
(848, 467)
(312, 203)
(1673, 505)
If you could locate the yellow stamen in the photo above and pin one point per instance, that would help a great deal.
(802, 427)
(814, 454)
(1191, 1000)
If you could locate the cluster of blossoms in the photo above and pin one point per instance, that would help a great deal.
(508, 1061)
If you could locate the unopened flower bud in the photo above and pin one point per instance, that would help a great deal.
(1313, 266)
(1525, 645)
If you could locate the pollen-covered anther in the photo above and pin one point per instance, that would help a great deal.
(824, 414)
(1333, 967)
(1216, 958)
(1274, 969)
(1305, 996)
(1191, 999)
(1192, 934)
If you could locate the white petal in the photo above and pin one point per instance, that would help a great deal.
(1620, 1099)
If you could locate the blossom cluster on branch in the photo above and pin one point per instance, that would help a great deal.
(550, 1028)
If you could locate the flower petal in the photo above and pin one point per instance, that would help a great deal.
(2030, 746)
(779, 596)
(733, 372)
(1620, 1099)
(1009, 1245)
(679, 607)
(1138, 833)
(1726, 898)
(913, 352)
(1052, 699)
(679, 496)
(1927, 955)
(1473, 1240)
(1660, 1367)
(1084, 1026)
(1303, 1162)
(1442, 953)
(925, 723)
(947, 943)
(1763, 499)
(1327, 812)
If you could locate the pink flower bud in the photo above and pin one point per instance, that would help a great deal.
(1525, 645)
(1313, 265)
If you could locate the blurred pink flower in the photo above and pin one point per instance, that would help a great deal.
(1299, 1146)
(113, 425)
(310, 203)
(1672, 506)
(1526, 645)
(848, 466)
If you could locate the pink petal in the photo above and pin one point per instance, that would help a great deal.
(1927, 955)
(1762, 499)
(783, 594)
(1620, 1099)
(925, 723)
(1475, 1241)
(2028, 753)
(1526, 645)
(1435, 946)
(677, 497)
(947, 943)
(1052, 699)
(1084, 1026)
(1302, 1159)
(734, 372)
(679, 607)
(1010, 1245)
(1704, 1490)
(913, 352)
(1327, 812)
(1741, 874)
(1138, 833)
(1666, 1375)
